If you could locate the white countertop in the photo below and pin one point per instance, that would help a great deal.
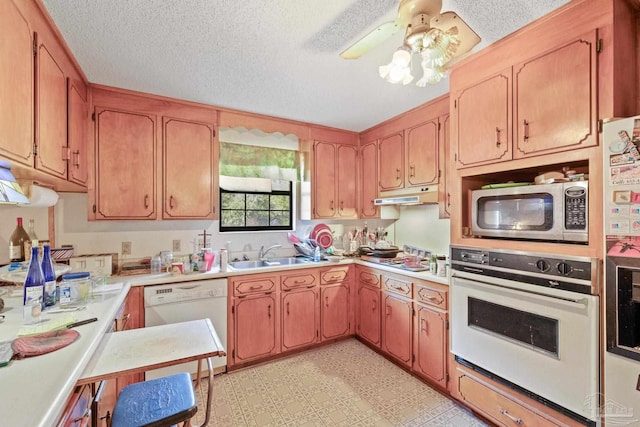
(34, 391)
(164, 278)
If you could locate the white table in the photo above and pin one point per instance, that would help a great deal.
(139, 350)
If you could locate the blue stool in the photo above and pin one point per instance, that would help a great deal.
(161, 402)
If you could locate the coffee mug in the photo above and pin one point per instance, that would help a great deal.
(175, 268)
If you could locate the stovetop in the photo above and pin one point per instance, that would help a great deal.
(396, 263)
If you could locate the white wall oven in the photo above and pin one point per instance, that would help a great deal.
(529, 321)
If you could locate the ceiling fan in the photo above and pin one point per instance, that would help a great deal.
(436, 37)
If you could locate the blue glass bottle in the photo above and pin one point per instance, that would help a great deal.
(34, 282)
(49, 278)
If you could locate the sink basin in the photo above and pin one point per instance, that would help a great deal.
(270, 262)
(285, 261)
(246, 264)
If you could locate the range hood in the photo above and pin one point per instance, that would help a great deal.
(413, 196)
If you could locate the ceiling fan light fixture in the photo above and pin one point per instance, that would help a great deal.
(430, 74)
(399, 69)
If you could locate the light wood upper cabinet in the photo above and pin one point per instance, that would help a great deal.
(422, 154)
(391, 172)
(78, 133)
(553, 101)
(482, 117)
(369, 180)
(16, 85)
(555, 105)
(51, 113)
(334, 180)
(125, 165)
(189, 169)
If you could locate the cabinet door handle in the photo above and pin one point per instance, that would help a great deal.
(287, 308)
(331, 205)
(269, 311)
(341, 205)
(171, 202)
(326, 301)
(497, 137)
(146, 201)
(76, 157)
(526, 130)
(448, 199)
(398, 173)
(511, 417)
(373, 308)
(388, 310)
(412, 170)
(423, 327)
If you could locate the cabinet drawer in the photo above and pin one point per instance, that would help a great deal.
(497, 406)
(293, 281)
(253, 285)
(396, 286)
(369, 277)
(334, 275)
(430, 295)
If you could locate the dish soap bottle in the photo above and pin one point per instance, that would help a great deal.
(316, 254)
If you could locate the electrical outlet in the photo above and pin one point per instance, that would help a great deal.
(176, 246)
(126, 248)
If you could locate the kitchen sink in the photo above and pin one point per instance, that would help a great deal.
(270, 262)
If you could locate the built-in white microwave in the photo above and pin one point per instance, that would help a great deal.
(557, 212)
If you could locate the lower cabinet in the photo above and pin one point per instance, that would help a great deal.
(299, 313)
(78, 410)
(334, 311)
(430, 344)
(255, 327)
(368, 314)
(397, 317)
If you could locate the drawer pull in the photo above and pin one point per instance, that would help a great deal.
(255, 287)
(297, 282)
(511, 417)
(431, 298)
(310, 286)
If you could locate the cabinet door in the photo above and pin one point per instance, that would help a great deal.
(51, 113)
(189, 170)
(255, 327)
(16, 86)
(78, 133)
(347, 159)
(324, 178)
(126, 157)
(430, 344)
(444, 195)
(482, 120)
(334, 311)
(422, 154)
(555, 106)
(396, 328)
(299, 318)
(368, 322)
(391, 165)
(369, 181)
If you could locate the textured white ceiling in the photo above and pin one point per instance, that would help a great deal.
(276, 57)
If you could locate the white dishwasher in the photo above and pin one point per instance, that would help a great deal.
(184, 301)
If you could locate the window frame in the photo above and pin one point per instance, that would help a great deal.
(290, 227)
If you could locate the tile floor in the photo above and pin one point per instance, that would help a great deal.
(343, 384)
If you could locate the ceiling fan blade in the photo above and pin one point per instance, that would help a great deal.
(371, 40)
(468, 37)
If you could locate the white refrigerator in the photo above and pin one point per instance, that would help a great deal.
(621, 203)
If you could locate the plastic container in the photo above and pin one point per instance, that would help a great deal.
(156, 265)
(75, 288)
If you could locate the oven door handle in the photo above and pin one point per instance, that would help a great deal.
(475, 282)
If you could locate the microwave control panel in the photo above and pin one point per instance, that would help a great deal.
(575, 208)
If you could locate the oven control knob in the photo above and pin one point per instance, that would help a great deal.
(542, 265)
(564, 268)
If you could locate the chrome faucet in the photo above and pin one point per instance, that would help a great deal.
(262, 252)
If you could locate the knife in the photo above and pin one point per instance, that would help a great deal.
(82, 322)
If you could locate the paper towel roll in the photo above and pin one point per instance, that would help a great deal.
(40, 197)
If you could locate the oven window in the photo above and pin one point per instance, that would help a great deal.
(532, 212)
(530, 329)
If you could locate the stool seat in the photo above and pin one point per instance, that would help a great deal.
(160, 402)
